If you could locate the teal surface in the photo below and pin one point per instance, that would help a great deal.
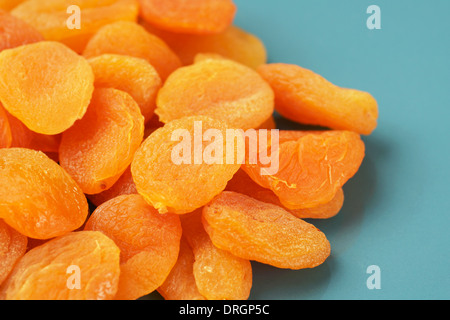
(397, 210)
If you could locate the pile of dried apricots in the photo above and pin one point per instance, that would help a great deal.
(92, 205)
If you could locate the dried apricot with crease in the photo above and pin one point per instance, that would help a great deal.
(306, 97)
(133, 75)
(217, 88)
(312, 168)
(176, 170)
(12, 247)
(219, 275)
(131, 39)
(52, 18)
(50, 88)
(14, 32)
(81, 265)
(180, 283)
(37, 197)
(5, 129)
(192, 16)
(149, 242)
(263, 232)
(97, 149)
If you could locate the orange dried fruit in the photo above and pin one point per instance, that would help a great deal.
(218, 88)
(12, 247)
(219, 275)
(192, 17)
(234, 43)
(149, 242)
(81, 265)
(9, 4)
(53, 18)
(14, 32)
(50, 88)
(263, 232)
(133, 75)
(242, 183)
(125, 185)
(303, 96)
(131, 39)
(312, 168)
(180, 283)
(44, 202)
(96, 150)
(176, 171)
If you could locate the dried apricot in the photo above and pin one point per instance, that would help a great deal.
(263, 232)
(174, 170)
(15, 32)
(234, 43)
(45, 201)
(133, 75)
(12, 247)
(242, 183)
(218, 88)
(52, 19)
(311, 168)
(304, 96)
(192, 17)
(97, 149)
(131, 39)
(180, 283)
(81, 265)
(50, 88)
(149, 242)
(125, 185)
(219, 275)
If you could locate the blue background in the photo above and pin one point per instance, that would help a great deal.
(397, 210)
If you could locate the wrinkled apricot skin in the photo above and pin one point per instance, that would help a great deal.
(234, 43)
(175, 186)
(47, 75)
(44, 273)
(219, 275)
(306, 97)
(180, 283)
(312, 168)
(149, 242)
(131, 39)
(51, 18)
(37, 197)
(263, 232)
(133, 75)
(242, 183)
(15, 32)
(12, 247)
(217, 88)
(189, 16)
(96, 150)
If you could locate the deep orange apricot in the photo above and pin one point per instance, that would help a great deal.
(81, 265)
(263, 232)
(96, 150)
(130, 38)
(189, 16)
(38, 198)
(149, 242)
(303, 96)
